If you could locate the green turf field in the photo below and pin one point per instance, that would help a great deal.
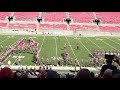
(53, 46)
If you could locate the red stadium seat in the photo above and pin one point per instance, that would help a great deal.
(3, 15)
(109, 17)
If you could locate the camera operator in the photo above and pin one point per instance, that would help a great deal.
(109, 64)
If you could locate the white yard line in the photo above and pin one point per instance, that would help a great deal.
(12, 44)
(94, 43)
(41, 46)
(56, 46)
(4, 40)
(72, 50)
(85, 47)
(10, 54)
(7, 58)
(109, 44)
(56, 49)
(42, 43)
(16, 59)
(113, 41)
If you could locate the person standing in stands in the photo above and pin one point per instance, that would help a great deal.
(109, 65)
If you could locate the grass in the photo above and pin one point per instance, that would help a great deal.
(53, 46)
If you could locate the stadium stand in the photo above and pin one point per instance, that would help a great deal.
(110, 28)
(22, 16)
(82, 27)
(20, 26)
(54, 26)
(3, 15)
(109, 17)
(3, 24)
(87, 17)
(54, 16)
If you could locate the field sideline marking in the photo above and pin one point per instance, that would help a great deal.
(72, 50)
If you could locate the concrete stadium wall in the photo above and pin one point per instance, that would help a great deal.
(52, 67)
(59, 32)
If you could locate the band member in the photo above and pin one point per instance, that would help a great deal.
(65, 46)
(9, 62)
(1, 48)
(42, 60)
(53, 60)
(47, 61)
(58, 60)
(6, 47)
(71, 61)
(19, 61)
(77, 47)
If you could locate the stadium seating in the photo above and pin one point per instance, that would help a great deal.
(54, 16)
(82, 16)
(32, 26)
(20, 26)
(3, 15)
(82, 27)
(16, 26)
(3, 24)
(110, 28)
(109, 17)
(77, 17)
(22, 16)
(57, 26)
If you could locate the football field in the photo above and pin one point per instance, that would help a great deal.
(53, 46)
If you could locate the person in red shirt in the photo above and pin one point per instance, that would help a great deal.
(6, 73)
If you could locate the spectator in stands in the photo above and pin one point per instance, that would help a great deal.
(107, 73)
(6, 73)
(29, 75)
(52, 74)
(83, 73)
(62, 75)
(92, 75)
(24, 75)
(17, 74)
(116, 74)
(107, 66)
(42, 73)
